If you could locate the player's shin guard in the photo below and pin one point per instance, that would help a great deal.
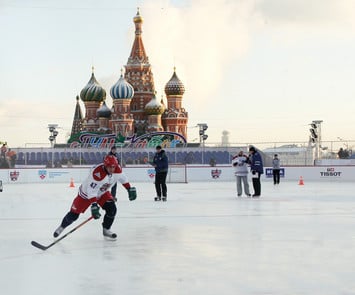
(67, 220)
(111, 209)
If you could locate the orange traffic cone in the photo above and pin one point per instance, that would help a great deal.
(71, 183)
(301, 181)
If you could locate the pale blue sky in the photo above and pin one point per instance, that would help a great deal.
(260, 69)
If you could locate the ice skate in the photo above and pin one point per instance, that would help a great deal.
(58, 231)
(164, 199)
(156, 199)
(109, 234)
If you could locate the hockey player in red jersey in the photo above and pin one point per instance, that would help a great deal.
(95, 191)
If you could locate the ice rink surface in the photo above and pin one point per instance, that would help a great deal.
(293, 240)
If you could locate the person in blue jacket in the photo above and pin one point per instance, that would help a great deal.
(256, 167)
(161, 164)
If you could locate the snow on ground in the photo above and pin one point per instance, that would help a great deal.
(293, 240)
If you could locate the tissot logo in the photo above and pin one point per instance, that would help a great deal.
(330, 172)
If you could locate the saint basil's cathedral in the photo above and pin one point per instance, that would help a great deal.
(135, 109)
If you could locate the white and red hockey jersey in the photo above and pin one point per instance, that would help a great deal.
(99, 181)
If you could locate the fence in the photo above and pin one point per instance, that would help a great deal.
(290, 153)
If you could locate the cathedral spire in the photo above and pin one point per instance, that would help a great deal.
(78, 118)
(138, 54)
(139, 74)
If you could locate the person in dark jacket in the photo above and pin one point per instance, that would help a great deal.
(276, 169)
(114, 187)
(161, 164)
(256, 167)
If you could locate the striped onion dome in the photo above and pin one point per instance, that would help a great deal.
(154, 107)
(93, 91)
(174, 86)
(122, 89)
(104, 111)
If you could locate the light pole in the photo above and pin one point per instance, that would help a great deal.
(202, 128)
(53, 133)
(52, 137)
(316, 135)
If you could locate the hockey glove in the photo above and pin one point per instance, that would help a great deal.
(95, 211)
(132, 193)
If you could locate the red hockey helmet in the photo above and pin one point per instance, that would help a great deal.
(110, 161)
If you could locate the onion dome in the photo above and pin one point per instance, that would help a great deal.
(138, 18)
(174, 86)
(122, 89)
(104, 111)
(154, 107)
(93, 91)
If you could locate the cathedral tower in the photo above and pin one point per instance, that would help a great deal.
(104, 113)
(139, 74)
(92, 95)
(121, 119)
(78, 119)
(154, 110)
(175, 117)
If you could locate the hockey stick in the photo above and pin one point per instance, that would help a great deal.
(39, 246)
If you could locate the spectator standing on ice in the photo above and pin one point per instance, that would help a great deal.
(95, 192)
(161, 164)
(276, 169)
(240, 164)
(114, 187)
(256, 167)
